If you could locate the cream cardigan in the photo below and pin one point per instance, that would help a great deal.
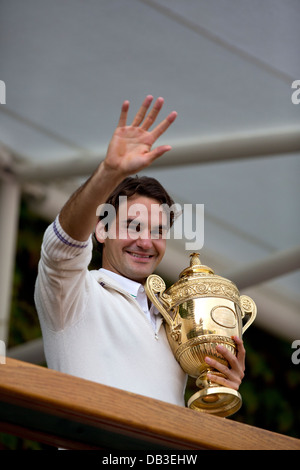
(94, 329)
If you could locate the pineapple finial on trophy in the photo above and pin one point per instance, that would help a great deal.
(195, 259)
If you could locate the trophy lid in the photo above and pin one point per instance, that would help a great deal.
(199, 280)
(195, 267)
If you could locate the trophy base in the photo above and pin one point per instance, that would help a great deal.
(219, 401)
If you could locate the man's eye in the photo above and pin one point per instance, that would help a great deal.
(134, 227)
(158, 232)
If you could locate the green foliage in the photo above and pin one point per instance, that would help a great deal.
(24, 324)
(271, 386)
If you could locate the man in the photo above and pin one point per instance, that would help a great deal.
(98, 324)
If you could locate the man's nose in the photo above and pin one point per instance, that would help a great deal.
(144, 241)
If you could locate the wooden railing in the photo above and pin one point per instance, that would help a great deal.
(65, 411)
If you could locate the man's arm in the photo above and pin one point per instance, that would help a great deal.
(129, 151)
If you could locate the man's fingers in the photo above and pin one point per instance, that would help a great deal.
(235, 362)
(216, 365)
(123, 115)
(139, 117)
(158, 152)
(163, 126)
(241, 352)
(150, 119)
(226, 382)
(231, 377)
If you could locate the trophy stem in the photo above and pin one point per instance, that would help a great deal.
(213, 398)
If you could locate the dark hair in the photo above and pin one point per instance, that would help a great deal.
(143, 186)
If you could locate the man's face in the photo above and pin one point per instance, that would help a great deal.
(136, 241)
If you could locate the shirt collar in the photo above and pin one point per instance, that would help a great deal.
(132, 287)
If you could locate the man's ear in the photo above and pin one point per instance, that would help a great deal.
(100, 232)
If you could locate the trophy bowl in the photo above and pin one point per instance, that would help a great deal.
(203, 310)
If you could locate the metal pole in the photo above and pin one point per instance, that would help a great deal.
(275, 265)
(9, 213)
(212, 149)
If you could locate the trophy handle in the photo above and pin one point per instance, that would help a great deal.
(248, 308)
(156, 285)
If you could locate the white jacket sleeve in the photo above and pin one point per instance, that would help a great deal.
(61, 290)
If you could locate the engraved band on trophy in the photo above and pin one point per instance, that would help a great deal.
(202, 310)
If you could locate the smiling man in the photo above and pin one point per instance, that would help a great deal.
(99, 324)
(136, 241)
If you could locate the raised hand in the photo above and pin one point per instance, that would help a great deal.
(130, 149)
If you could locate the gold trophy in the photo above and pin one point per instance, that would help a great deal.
(203, 310)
